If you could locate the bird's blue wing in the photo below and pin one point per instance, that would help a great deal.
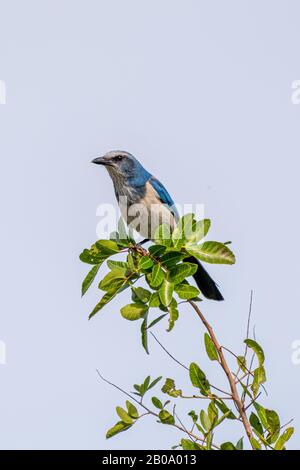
(163, 195)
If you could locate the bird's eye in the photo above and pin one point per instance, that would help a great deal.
(118, 158)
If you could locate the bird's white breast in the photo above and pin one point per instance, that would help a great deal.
(148, 214)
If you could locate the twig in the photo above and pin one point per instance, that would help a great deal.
(253, 401)
(180, 428)
(177, 417)
(249, 314)
(225, 367)
(124, 392)
(231, 352)
(248, 328)
(144, 414)
(286, 424)
(169, 354)
(242, 378)
(185, 367)
(248, 378)
(209, 397)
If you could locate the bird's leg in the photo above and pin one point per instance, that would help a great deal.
(141, 249)
(138, 247)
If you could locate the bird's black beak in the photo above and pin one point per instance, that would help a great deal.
(101, 161)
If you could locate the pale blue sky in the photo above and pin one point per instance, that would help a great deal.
(200, 91)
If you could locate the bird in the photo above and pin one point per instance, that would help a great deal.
(145, 204)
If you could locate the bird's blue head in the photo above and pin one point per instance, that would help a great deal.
(122, 165)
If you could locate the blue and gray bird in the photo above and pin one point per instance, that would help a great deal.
(145, 204)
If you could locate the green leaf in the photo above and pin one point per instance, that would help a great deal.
(212, 252)
(145, 385)
(162, 235)
(117, 428)
(122, 229)
(224, 408)
(154, 382)
(145, 262)
(210, 348)
(212, 411)
(221, 419)
(157, 276)
(285, 436)
(169, 387)
(187, 224)
(124, 415)
(114, 236)
(137, 387)
(205, 421)
(256, 424)
(108, 296)
(181, 271)
(130, 236)
(165, 417)
(183, 230)
(144, 333)
(157, 403)
(121, 266)
(111, 280)
(201, 429)
(157, 250)
(132, 262)
(209, 438)
(174, 314)
(259, 378)
(132, 411)
(257, 349)
(261, 411)
(193, 415)
(187, 444)
(134, 311)
(200, 230)
(255, 444)
(92, 256)
(171, 258)
(186, 291)
(107, 247)
(240, 444)
(261, 438)
(242, 363)
(227, 446)
(166, 292)
(141, 294)
(273, 425)
(89, 278)
(245, 389)
(198, 379)
(177, 238)
(154, 300)
(156, 320)
(98, 253)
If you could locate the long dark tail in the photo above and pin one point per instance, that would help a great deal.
(205, 283)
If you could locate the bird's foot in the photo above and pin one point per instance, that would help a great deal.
(139, 249)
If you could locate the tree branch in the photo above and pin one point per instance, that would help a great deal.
(235, 395)
(166, 351)
(150, 412)
(186, 368)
